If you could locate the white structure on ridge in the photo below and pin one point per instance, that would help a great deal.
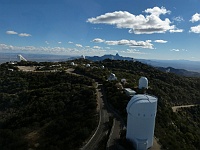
(141, 111)
(143, 83)
(21, 58)
(88, 65)
(129, 92)
(112, 77)
(168, 70)
(82, 56)
(72, 63)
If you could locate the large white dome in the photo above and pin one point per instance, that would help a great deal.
(141, 111)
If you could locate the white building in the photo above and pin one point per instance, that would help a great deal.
(88, 65)
(72, 63)
(112, 77)
(129, 92)
(141, 111)
(21, 58)
(143, 83)
(123, 81)
(82, 56)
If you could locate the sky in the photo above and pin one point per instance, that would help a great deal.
(156, 29)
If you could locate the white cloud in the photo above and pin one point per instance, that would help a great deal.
(175, 50)
(87, 46)
(138, 24)
(11, 32)
(24, 34)
(160, 41)
(79, 45)
(70, 42)
(98, 40)
(176, 30)
(97, 28)
(96, 47)
(133, 51)
(132, 43)
(157, 11)
(178, 19)
(59, 42)
(46, 42)
(195, 17)
(179, 50)
(195, 29)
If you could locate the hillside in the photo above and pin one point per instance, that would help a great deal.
(170, 89)
(43, 110)
(181, 72)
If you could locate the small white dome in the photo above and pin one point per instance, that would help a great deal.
(88, 65)
(82, 56)
(112, 77)
(72, 63)
(143, 83)
(123, 80)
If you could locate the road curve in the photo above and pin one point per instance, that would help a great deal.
(102, 129)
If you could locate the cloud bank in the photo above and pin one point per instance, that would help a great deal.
(130, 43)
(138, 24)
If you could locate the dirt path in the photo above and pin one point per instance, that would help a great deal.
(174, 108)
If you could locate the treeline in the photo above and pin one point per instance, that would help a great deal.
(45, 110)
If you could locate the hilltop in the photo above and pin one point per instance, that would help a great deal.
(45, 105)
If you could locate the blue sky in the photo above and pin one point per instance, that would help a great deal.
(156, 29)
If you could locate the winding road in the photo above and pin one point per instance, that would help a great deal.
(102, 128)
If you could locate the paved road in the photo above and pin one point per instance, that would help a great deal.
(114, 135)
(102, 128)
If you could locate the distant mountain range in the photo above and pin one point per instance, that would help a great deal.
(181, 72)
(109, 56)
(180, 67)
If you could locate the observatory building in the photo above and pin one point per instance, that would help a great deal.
(112, 77)
(82, 56)
(21, 58)
(72, 63)
(88, 65)
(141, 111)
(143, 83)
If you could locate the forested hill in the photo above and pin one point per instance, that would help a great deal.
(181, 72)
(44, 110)
(181, 130)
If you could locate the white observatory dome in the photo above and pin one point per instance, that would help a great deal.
(82, 56)
(72, 63)
(112, 77)
(88, 65)
(123, 80)
(143, 83)
(141, 111)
